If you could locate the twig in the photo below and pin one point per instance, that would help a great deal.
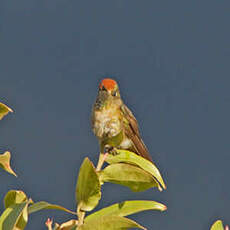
(101, 161)
(81, 216)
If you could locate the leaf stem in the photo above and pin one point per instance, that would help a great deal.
(101, 161)
(81, 216)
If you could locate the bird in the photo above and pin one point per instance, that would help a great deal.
(114, 124)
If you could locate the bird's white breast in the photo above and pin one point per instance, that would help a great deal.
(106, 123)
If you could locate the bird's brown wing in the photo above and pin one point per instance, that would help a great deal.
(132, 132)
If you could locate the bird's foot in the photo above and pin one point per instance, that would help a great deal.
(110, 150)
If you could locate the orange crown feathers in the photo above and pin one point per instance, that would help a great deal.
(108, 83)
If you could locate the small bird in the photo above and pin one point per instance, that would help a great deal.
(113, 123)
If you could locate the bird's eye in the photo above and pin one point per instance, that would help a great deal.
(103, 88)
(114, 93)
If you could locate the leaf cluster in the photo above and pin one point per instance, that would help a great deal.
(125, 168)
(18, 206)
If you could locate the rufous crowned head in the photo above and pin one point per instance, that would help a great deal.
(109, 84)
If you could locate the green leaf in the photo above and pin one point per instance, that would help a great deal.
(15, 217)
(69, 225)
(132, 158)
(5, 163)
(126, 208)
(45, 205)
(14, 197)
(88, 189)
(4, 110)
(110, 223)
(128, 175)
(218, 225)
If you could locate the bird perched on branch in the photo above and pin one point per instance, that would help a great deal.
(113, 123)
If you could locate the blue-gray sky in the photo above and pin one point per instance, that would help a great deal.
(171, 59)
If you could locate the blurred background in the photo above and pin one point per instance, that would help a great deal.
(171, 60)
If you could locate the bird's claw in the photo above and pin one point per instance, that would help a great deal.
(110, 150)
